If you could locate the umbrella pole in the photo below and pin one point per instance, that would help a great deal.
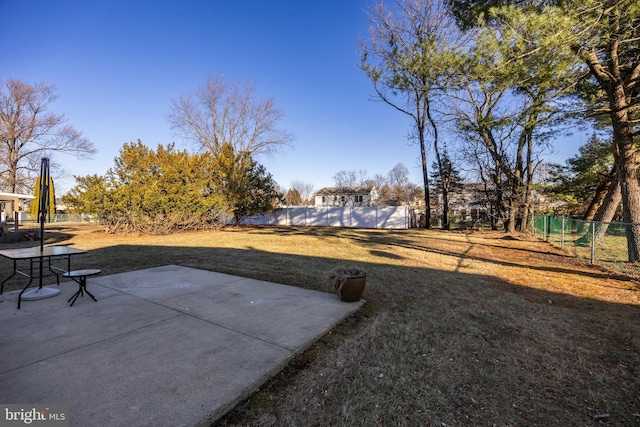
(43, 208)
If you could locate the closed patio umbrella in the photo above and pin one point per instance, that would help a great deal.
(43, 211)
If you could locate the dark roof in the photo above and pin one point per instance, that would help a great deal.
(345, 191)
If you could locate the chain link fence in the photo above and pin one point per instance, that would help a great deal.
(599, 243)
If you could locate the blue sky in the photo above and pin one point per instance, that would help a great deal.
(117, 64)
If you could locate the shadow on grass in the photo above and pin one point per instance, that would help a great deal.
(456, 348)
(297, 270)
(387, 282)
(400, 239)
(54, 235)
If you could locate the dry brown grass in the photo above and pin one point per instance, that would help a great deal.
(470, 329)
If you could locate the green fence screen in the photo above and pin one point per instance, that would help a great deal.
(599, 243)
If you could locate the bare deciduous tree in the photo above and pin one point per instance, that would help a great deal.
(408, 57)
(399, 181)
(344, 178)
(304, 188)
(381, 183)
(293, 198)
(28, 131)
(219, 113)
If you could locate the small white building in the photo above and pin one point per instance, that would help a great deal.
(365, 195)
(11, 203)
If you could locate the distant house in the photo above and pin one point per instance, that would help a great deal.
(469, 204)
(347, 196)
(12, 203)
(473, 203)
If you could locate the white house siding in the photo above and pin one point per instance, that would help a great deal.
(391, 217)
(345, 197)
(349, 200)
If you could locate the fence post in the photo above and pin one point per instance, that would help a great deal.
(406, 217)
(562, 238)
(593, 242)
(350, 216)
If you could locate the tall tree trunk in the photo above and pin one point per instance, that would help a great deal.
(517, 184)
(444, 178)
(425, 179)
(489, 197)
(510, 226)
(498, 169)
(500, 208)
(528, 184)
(619, 81)
(601, 194)
(627, 167)
(445, 209)
(610, 203)
(608, 208)
(631, 208)
(526, 207)
(514, 199)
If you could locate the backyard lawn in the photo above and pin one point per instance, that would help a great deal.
(469, 329)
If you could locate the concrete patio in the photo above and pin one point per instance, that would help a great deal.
(166, 346)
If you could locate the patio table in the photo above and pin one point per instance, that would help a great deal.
(36, 256)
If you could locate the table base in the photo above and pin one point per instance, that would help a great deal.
(40, 293)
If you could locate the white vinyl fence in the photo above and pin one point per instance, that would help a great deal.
(396, 217)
